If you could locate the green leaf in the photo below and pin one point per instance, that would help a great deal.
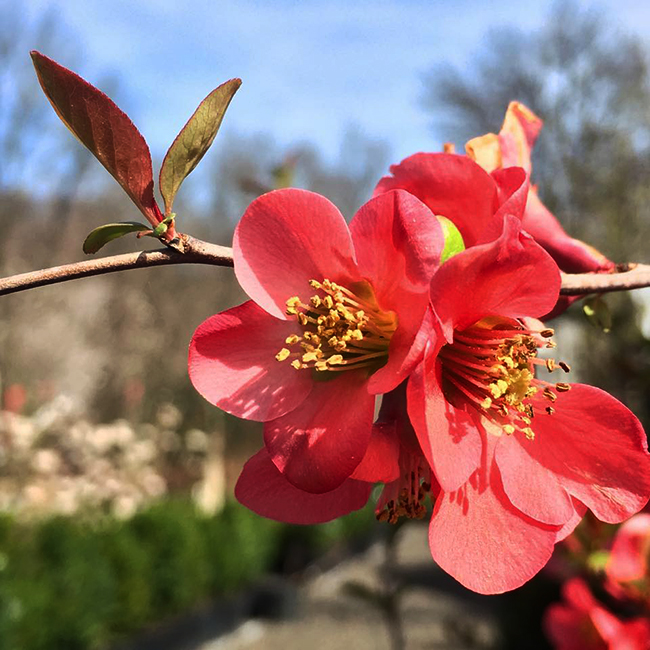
(454, 243)
(597, 313)
(194, 139)
(103, 129)
(109, 231)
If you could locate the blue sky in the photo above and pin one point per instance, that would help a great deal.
(310, 69)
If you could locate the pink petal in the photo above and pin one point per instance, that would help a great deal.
(513, 193)
(518, 134)
(232, 364)
(531, 487)
(319, 444)
(597, 449)
(628, 559)
(570, 629)
(398, 242)
(381, 462)
(286, 238)
(407, 345)
(511, 277)
(579, 510)
(262, 489)
(450, 185)
(571, 255)
(449, 438)
(479, 538)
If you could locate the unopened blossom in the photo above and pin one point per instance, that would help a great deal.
(332, 321)
(518, 457)
(583, 623)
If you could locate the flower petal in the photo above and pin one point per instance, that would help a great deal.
(579, 510)
(381, 462)
(232, 364)
(513, 193)
(511, 277)
(479, 538)
(630, 551)
(531, 487)
(597, 449)
(319, 444)
(571, 255)
(449, 438)
(265, 491)
(398, 243)
(286, 238)
(450, 185)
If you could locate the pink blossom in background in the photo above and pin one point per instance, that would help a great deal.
(582, 623)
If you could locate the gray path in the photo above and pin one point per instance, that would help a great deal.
(328, 617)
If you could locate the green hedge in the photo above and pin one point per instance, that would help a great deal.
(76, 584)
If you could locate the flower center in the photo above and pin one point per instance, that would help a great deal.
(491, 366)
(342, 329)
(405, 496)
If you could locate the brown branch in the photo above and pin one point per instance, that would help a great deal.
(195, 252)
(630, 276)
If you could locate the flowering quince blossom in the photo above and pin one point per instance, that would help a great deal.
(332, 322)
(582, 623)
(517, 459)
(513, 146)
(628, 566)
(422, 172)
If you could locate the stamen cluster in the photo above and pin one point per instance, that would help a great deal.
(405, 498)
(342, 329)
(493, 369)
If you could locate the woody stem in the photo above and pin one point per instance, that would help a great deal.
(196, 251)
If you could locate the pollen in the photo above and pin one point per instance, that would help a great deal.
(491, 366)
(341, 328)
(283, 354)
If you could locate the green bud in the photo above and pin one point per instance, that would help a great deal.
(454, 243)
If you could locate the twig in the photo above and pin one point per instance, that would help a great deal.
(196, 251)
(630, 276)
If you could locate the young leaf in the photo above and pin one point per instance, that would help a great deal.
(109, 231)
(194, 139)
(103, 129)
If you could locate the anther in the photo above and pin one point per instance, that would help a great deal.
(549, 394)
(550, 410)
(547, 333)
(283, 354)
(565, 366)
(562, 387)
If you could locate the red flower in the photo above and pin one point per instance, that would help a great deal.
(332, 322)
(456, 187)
(422, 174)
(628, 566)
(518, 459)
(582, 623)
(513, 146)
